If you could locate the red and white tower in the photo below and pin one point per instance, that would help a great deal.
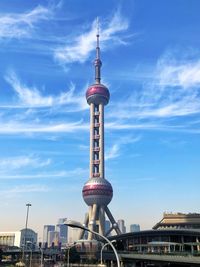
(97, 191)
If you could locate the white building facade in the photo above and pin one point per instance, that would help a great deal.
(10, 238)
(18, 238)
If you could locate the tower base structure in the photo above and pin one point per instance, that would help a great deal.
(95, 221)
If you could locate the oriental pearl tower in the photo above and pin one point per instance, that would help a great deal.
(97, 191)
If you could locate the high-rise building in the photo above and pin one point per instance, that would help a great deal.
(61, 220)
(46, 230)
(122, 226)
(107, 226)
(134, 228)
(62, 229)
(53, 238)
(73, 235)
(97, 191)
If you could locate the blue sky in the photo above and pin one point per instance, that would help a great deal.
(151, 65)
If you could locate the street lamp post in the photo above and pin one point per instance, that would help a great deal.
(24, 239)
(68, 249)
(106, 244)
(27, 205)
(75, 224)
(41, 259)
(31, 252)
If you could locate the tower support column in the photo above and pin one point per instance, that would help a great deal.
(101, 129)
(92, 222)
(91, 138)
(102, 221)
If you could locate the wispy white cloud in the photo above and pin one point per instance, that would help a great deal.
(151, 108)
(183, 73)
(26, 128)
(129, 125)
(173, 142)
(153, 125)
(17, 191)
(27, 96)
(22, 162)
(18, 25)
(84, 147)
(28, 188)
(173, 91)
(80, 48)
(76, 173)
(177, 88)
(114, 150)
(31, 97)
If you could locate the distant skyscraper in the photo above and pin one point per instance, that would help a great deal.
(134, 228)
(107, 226)
(97, 191)
(62, 229)
(53, 238)
(61, 220)
(73, 235)
(46, 230)
(122, 226)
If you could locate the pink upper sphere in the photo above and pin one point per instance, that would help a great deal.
(98, 94)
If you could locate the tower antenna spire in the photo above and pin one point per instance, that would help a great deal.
(97, 62)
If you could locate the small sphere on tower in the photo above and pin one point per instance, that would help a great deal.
(97, 94)
(97, 62)
(97, 191)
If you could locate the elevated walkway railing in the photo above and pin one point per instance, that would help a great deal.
(172, 258)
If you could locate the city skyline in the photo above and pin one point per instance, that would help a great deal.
(150, 54)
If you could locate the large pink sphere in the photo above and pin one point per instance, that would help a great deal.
(97, 191)
(97, 94)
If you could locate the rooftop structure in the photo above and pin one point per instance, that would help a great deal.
(179, 220)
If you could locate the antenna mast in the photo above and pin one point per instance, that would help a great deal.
(97, 62)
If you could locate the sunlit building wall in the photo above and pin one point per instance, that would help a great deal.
(62, 229)
(53, 238)
(73, 235)
(47, 229)
(122, 226)
(10, 238)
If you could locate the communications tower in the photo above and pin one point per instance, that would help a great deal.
(97, 191)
